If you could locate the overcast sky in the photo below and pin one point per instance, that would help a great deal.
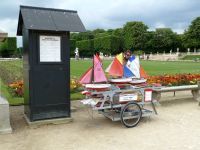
(110, 14)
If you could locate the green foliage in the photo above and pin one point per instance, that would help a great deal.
(118, 32)
(86, 48)
(134, 35)
(12, 43)
(19, 52)
(138, 52)
(192, 35)
(3, 50)
(100, 35)
(11, 71)
(149, 43)
(8, 47)
(108, 44)
(82, 36)
(72, 47)
(164, 39)
(96, 31)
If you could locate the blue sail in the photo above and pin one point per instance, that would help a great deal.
(127, 72)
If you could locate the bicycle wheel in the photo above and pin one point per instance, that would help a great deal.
(131, 114)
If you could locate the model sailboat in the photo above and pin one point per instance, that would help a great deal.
(95, 76)
(131, 72)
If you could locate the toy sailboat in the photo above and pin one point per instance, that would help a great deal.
(94, 77)
(131, 72)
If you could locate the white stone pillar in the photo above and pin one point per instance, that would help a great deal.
(188, 51)
(4, 117)
(195, 50)
(177, 50)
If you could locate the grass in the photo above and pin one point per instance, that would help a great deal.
(151, 67)
(12, 71)
(76, 96)
(191, 57)
(169, 67)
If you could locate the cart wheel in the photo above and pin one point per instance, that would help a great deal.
(131, 114)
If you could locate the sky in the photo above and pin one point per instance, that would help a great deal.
(110, 14)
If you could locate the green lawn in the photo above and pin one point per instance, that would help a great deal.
(12, 71)
(151, 67)
(161, 67)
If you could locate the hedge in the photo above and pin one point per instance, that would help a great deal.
(8, 47)
(108, 45)
(86, 48)
(72, 47)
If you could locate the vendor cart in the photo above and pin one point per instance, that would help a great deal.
(125, 103)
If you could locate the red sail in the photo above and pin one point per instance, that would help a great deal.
(94, 73)
(86, 77)
(99, 75)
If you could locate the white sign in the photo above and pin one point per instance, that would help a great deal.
(50, 50)
(128, 97)
(148, 96)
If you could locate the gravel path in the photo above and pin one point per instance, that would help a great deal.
(176, 127)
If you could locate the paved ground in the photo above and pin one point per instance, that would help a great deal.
(176, 127)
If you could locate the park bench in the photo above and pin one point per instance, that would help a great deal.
(195, 90)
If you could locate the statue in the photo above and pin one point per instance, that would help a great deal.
(76, 54)
(170, 51)
(101, 55)
(177, 50)
(188, 50)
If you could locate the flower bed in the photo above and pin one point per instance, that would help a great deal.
(17, 88)
(165, 80)
(174, 80)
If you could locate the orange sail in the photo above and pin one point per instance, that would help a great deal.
(131, 69)
(116, 67)
(143, 73)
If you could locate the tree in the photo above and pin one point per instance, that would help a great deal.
(134, 35)
(192, 35)
(82, 36)
(96, 31)
(150, 42)
(86, 48)
(118, 32)
(164, 39)
(72, 47)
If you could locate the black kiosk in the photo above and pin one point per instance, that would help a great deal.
(46, 60)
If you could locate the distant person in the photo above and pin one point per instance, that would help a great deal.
(147, 57)
(97, 53)
(127, 55)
